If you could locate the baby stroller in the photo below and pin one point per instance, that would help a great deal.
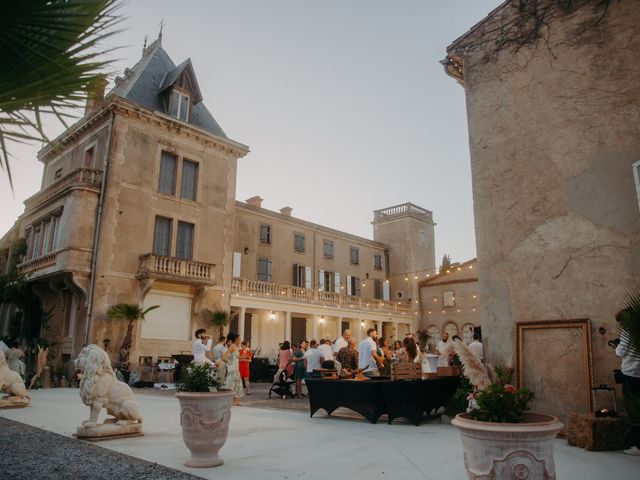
(282, 385)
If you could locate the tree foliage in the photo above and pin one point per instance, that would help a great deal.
(446, 263)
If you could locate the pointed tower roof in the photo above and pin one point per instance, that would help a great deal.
(154, 73)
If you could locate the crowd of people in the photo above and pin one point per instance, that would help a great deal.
(372, 356)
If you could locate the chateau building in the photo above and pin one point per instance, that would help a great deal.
(137, 205)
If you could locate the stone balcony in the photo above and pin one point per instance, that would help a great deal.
(175, 270)
(32, 266)
(80, 178)
(246, 287)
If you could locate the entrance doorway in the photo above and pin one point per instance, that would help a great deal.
(298, 329)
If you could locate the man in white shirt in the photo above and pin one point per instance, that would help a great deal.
(443, 350)
(312, 358)
(476, 347)
(342, 342)
(366, 351)
(200, 349)
(326, 354)
(630, 369)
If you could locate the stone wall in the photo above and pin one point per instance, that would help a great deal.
(553, 132)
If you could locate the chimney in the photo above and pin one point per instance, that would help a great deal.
(286, 211)
(255, 201)
(95, 95)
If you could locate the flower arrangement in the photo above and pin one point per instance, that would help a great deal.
(499, 401)
(197, 379)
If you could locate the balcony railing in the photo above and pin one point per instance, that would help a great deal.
(39, 263)
(176, 269)
(80, 177)
(403, 209)
(244, 286)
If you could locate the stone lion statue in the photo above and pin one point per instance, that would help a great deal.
(100, 389)
(12, 384)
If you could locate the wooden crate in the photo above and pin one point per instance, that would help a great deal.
(598, 433)
(449, 371)
(406, 371)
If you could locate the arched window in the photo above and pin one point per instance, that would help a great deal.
(467, 333)
(434, 336)
(451, 328)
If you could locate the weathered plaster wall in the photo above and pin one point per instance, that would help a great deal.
(554, 130)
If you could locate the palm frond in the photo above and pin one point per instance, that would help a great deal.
(124, 311)
(629, 322)
(52, 53)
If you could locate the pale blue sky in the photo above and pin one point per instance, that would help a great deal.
(343, 104)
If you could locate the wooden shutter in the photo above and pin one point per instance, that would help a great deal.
(349, 285)
(337, 282)
(308, 278)
(357, 286)
(321, 279)
(296, 279)
(385, 290)
(237, 260)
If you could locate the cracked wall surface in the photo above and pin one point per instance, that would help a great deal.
(554, 130)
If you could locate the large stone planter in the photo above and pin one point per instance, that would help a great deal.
(204, 418)
(518, 451)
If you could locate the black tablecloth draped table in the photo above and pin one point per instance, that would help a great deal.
(410, 399)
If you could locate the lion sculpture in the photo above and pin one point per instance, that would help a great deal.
(12, 384)
(100, 389)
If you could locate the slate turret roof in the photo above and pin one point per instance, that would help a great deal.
(145, 82)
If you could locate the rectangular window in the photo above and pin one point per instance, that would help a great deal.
(46, 237)
(377, 289)
(189, 180)
(355, 286)
(265, 233)
(377, 262)
(328, 248)
(298, 242)
(184, 243)
(355, 255)
(58, 174)
(162, 237)
(55, 234)
(167, 178)
(179, 106)
(299, 275)
(36, 243)
(264, 270)
(329, 281)
(87, 161)
(448, 299)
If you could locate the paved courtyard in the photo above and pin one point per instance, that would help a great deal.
(283, 444)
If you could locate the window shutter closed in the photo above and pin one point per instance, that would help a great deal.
(357, 286)
(296, 280)
(349, 285)
(337, 282)
(385, 290)
(321, 279)
(237, 260)
(308, 278)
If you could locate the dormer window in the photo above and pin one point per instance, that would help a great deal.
(179, 105)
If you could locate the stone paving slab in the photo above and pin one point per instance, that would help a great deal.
(278, 444)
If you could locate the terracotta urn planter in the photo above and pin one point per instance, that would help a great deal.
(518, 451)
(204, 417)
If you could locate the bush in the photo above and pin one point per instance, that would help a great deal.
(459, 402)
(197, 379)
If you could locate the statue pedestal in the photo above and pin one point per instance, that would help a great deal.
(14, 402)
(106, 431)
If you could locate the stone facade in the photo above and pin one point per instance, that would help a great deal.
(450, 302)
(553, 130)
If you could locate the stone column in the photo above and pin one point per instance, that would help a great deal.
(316, 322)
(379, 327)
(243, 310)
(339, 327)
(287, 326)
(395, 331)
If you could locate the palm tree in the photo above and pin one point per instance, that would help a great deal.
(629, 322)
(49, 51)
(220, 318)
(130, 312)
(446, 263)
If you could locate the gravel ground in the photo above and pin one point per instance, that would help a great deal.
(28, 453)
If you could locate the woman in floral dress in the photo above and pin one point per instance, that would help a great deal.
(231, 357)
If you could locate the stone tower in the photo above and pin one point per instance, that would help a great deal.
(408, 232)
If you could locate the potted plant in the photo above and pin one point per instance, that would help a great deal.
(130, 312)
(204, 416)
(500, 438)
